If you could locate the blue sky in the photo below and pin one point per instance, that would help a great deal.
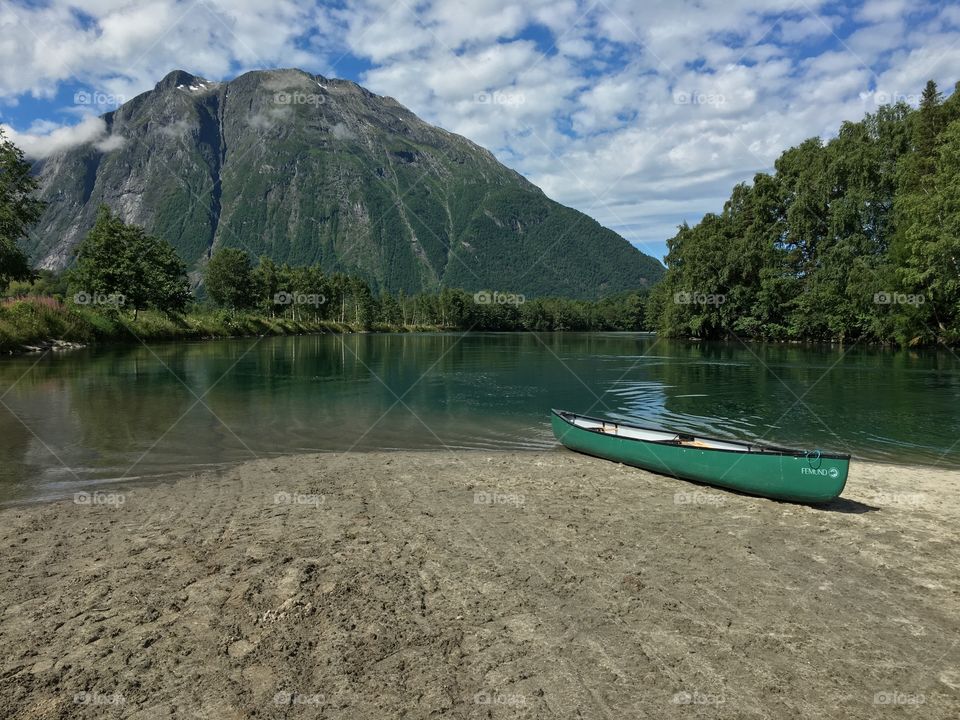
(643, 115)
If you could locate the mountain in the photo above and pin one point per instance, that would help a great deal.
(308, 169)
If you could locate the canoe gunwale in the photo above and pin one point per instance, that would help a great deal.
(748, 448)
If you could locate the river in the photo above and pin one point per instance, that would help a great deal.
(99, 416)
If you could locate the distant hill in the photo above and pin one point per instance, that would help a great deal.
(307, 169)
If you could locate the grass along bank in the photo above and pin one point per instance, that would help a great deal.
(33, 323)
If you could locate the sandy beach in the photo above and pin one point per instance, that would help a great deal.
(479, 585)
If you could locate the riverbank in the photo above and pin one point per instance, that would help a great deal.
(42, 323)
(477, 585)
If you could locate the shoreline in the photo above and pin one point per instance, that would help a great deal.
(859, 467)
(59, 345)
(41, 324)
(179, 330)
(529, 584)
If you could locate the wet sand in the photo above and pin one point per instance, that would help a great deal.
(479, 585)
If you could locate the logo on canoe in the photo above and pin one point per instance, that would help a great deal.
(824, 472)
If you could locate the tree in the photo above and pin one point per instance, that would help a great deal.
(929, 122)
(364, 304)
(267, 280)
(390, 309)
(229, 279)
(402, 303)
(160, 279)
(134, 269)
(452, 305)
(858, 237)
(19, 209)
(931, 268)
(339, 287)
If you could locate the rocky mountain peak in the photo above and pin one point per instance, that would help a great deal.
(180, 79)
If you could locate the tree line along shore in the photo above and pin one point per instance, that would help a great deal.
(129, 286)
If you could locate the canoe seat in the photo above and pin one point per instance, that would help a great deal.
(662, 436)
(695, 443)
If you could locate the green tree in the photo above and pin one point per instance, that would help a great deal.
(364, 304)
(403, 302)
(19, 209)
(390, 309)
(123, 261)
(229, 279)
(339, 291)
(453, 305)
(931, 267)
(839, 243)
(266, 278)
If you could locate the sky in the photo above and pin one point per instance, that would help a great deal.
(643, 115)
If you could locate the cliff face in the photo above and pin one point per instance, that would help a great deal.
(308, 169)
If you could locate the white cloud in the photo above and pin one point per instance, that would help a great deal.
(133, 44)
(805, 28)
(110, 143)
(872, 41)
(883, 10)
(45, 138)
(642, 114)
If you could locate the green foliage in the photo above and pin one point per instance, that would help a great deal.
(229, 280)
(35, 321)
(305, 293)
(121, 265)
(853, 239)
(43, 282)
(490, 310)
(19, 209)
(311, 302)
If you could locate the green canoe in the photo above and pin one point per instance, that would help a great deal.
(779, 473)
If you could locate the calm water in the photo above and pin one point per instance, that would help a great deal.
(91, 417)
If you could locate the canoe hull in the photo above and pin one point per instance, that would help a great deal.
(796, 478)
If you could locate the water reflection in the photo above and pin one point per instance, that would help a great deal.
(134, 411)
